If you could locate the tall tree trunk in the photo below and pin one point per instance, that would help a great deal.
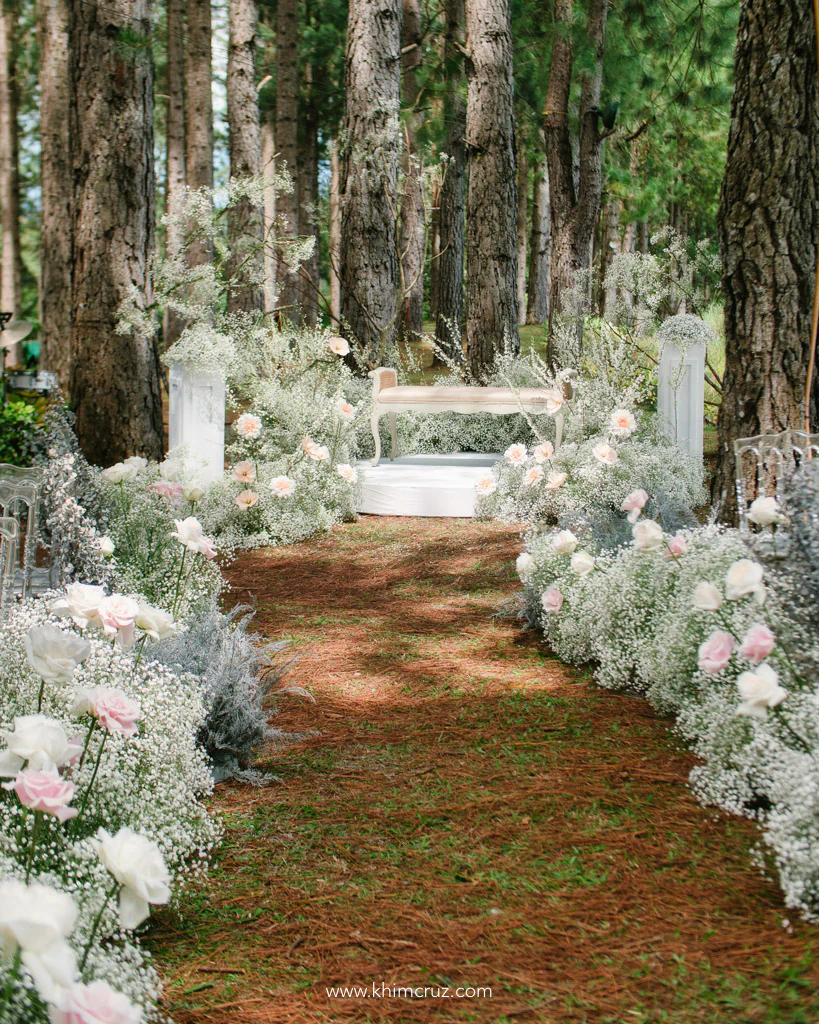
(199, 111)
(9, 171)
(369, 255)
(574, 206)
(308, 197)
(269, 170)
(491, 254)
(767, 228)
(287, 141)
(56, 188)
(172, 323)
(523, 200)
(114, 378)
(537, 311)
(611, 247)
(335, 232)
(412, 235)
(433, 245)
(450, 299)
(245, 221)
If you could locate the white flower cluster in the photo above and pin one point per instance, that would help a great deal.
(102, 814)
(592, 477)
(695, 624)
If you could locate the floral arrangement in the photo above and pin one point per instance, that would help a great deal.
(101, 813)
(703, 630)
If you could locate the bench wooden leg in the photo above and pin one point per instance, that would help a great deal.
(393, 438)
(376, 437)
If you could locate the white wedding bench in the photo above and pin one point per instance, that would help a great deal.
(391, 398)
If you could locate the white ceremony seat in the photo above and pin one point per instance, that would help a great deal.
(391, 398)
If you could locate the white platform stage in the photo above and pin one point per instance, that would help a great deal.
(423, 485)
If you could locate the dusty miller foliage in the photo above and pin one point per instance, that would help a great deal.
(239, 675)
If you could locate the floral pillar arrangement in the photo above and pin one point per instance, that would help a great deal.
(681, 380)
(197, 416)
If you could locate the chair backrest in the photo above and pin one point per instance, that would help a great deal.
(763, 463)
(25, 474)
(9, 541)
(20, 500)
(384, 377)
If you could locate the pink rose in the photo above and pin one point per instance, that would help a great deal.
(634, 505)
(244, 472)
(716, 652)
(758, 643)
(96, 1003)
(675, 546)
(552, 600)
(170, 489)
(118, 614)
(44, 791)
(114, 711)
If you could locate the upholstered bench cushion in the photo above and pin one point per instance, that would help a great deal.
(459, 396)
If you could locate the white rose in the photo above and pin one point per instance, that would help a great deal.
(604, 453)
(170, 469)
(744, 579)
(34, 917)
(119, 473)
(137, 864)
(157, 624)
(582, 563)
(82, 701)
(516, 454)
(622, 423)
(524, 565)
(564, 542)
(137, 462)
(338, 346)
(53, 653)
(347, 473)
(36, 921)
(81, 602)
(648, 535)
(764, 512)
(556, 480)
(706, 597)
(189, 533)
(759, 690)
(106, 546)
(486, 484)
(193, 492)
(554, 402)
(38, 740)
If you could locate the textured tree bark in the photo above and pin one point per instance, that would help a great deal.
(369, 253)
(522, 212)
(287, 124)
(491, 248)
(537, 310)
(114, 378)
(335, 232)
(198, 111)
(308, 197)
(611, 246)
(9, 170)
(269, 169)
(574, 205)
(56, 188)
(245, 221)
(172, 323)
(768, 228)
(412, 228)
(450, 261)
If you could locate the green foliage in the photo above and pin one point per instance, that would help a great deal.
(19, 424)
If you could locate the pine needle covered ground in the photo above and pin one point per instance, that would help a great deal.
(472, 815)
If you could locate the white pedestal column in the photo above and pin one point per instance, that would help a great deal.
(681, 394)
(197, 417)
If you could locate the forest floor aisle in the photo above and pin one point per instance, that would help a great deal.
(472, 814)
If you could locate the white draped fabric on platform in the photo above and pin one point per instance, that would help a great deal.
(423, 485)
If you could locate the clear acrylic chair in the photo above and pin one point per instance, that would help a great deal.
(20, 493)
(9, 544)
(763, 464)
